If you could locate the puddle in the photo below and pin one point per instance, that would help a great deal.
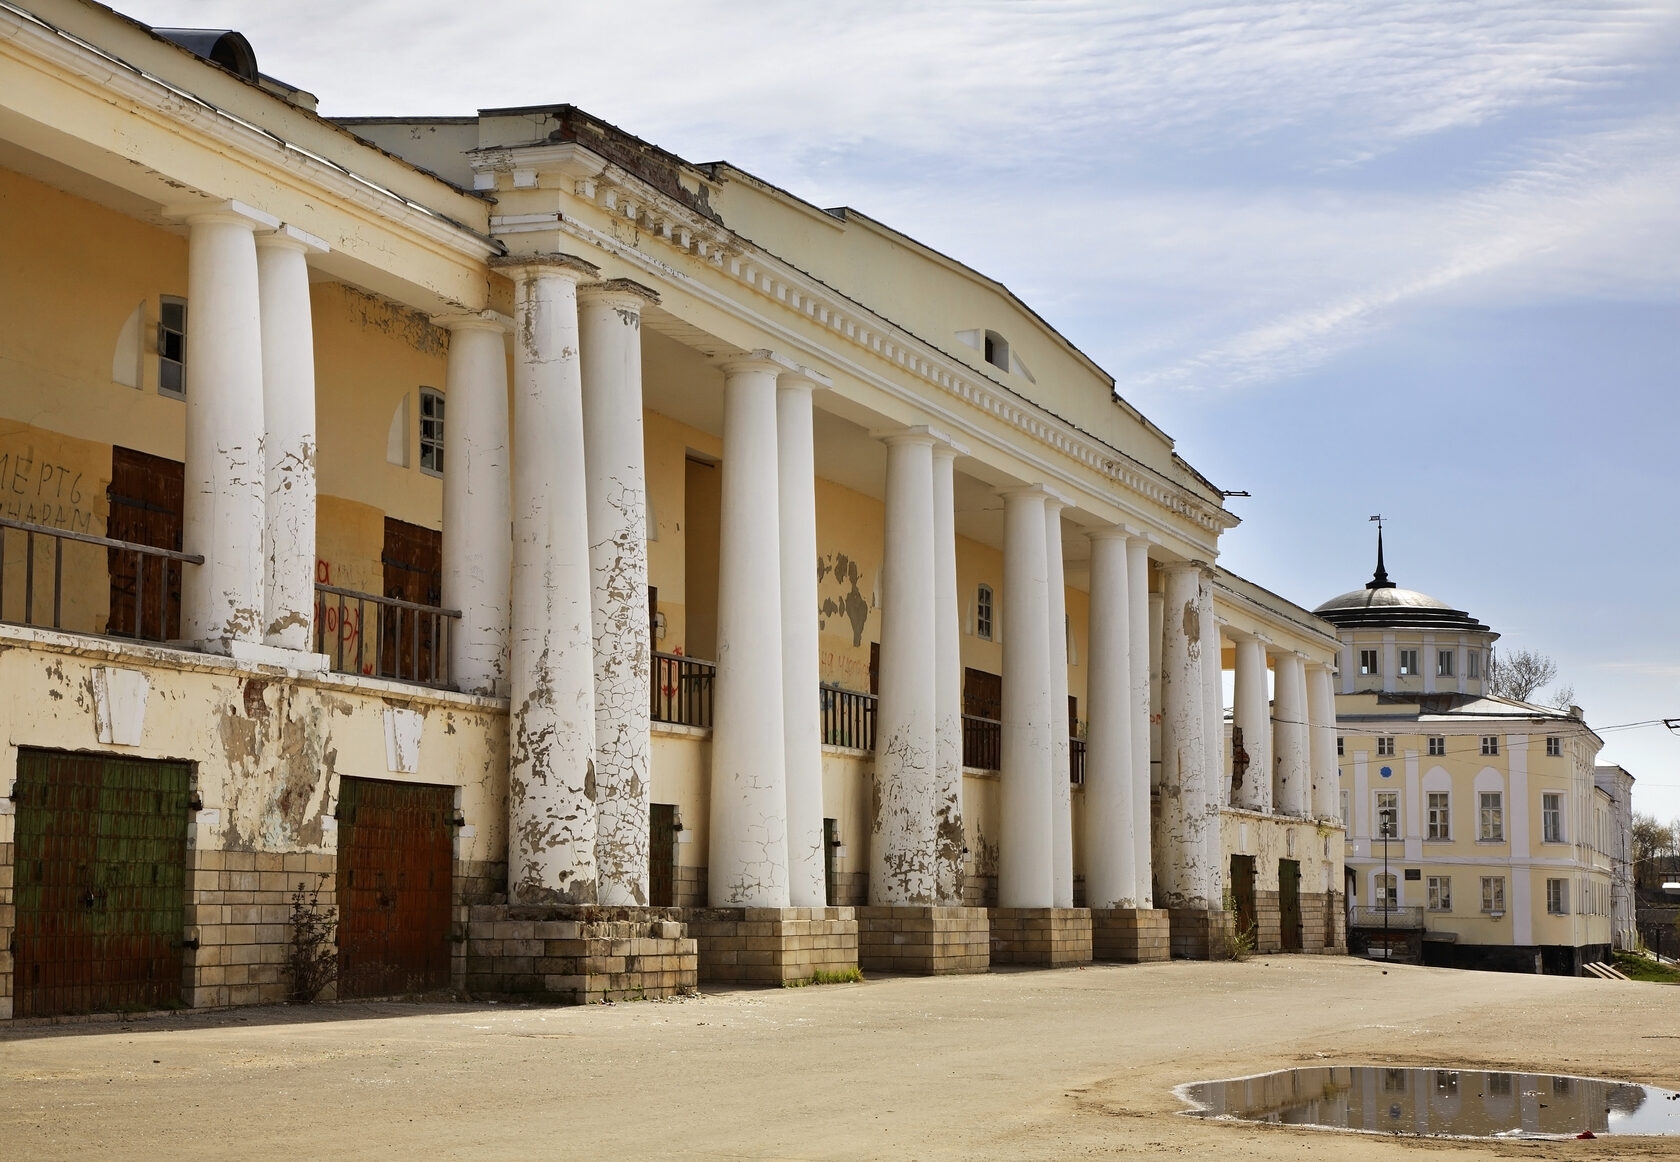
(1460, 1103)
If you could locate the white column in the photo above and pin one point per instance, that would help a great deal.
(1111, 864)
(1253, 716)
(1213, 741)
(1184, 793)
(1137, 623)
(1025, 875)
(947, 630)
(1061, 790)
(1321, 712)
(748, 857)
(226, 503)
(477, 518)
(288, 360)
(610, 330)
(901, 850)
(1289, 734)
(1159, 857)
(551, 744)
(801, 703)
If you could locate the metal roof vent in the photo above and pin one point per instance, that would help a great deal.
(221, 46)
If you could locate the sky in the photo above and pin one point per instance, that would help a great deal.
(1418, 258)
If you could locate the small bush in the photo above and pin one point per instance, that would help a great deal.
(312, 960)
(845, 976)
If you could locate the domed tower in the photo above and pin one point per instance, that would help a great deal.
(1401, 641)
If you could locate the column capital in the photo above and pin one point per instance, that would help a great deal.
(289, 237)
(803, 379)
(474, 321)
(620, 292)
(911, 434)
(524, 266)
(1015, 491)
(230, 211)
(948, 448)
(761, 360)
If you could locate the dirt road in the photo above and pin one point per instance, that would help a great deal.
(1073, 1063)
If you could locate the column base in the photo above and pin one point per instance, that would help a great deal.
(1200, 933)
(923, 940)
(261, 654)
(773, 946)
(1130, 935)
(1040, 937)
(578, 954)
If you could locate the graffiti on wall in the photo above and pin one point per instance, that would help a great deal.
(39, 491)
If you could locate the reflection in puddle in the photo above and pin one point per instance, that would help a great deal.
(1446, 1102)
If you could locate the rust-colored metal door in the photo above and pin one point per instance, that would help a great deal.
(1289, 903)
(1243, 873)
(148, 495)
(394, 884)
(662, 855)
(100, 882)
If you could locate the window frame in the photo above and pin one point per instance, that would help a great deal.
(1551, 817)
(163, 330)
(1437, 746)
(1557, 896)
(985, 606)
(1445, 661)
(1490, 745)
(1554, 747)
(1387, 895)
(1385, 746)
(1439, 819)
(1493, 895)
(1408, 663)
(1439, 890)
(433, 443)
(1473, 664)
(1490, 817)
(1388, 828)
(1375, 666)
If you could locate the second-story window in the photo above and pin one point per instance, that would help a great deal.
(431, 431)
(1473, 664)
(983, 612)
(1444, 664)
(1368, 661)
(1437, 745)
(1408, 663)
(1490, 744)
(172, 346)
(1491, 822)
(1385, 746)
(1554, 746)
(1551, 817)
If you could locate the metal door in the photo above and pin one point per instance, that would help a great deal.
(831, 845)
(147, 495)
(1242, 892)
(413, 563)
(662, 855)
(394, 879)
(1289, 903)
(100, 882)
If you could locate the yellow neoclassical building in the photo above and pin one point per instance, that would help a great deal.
(1477, 836)
(589, 571)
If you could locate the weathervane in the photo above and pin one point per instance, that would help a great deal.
(1379, 579)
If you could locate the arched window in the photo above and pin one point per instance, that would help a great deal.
(997, 350)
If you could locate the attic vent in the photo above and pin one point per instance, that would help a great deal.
(221, 46)
(997, 350)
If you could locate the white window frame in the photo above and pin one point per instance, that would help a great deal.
(1439, 817)
(1551, 817)
(984, 608)
(1373, 666)
(1493, 895)
(1437, 745)
(1490, 745)
(1473, 664)
(1409, 664)
(1490, 818)
(1554, 746)
(1387, 893)
(1341, 745)
(1440, 893)
(164, 331)
(1444, 663)
(1347, 810)
(1385, 746)
(431, 446)
(1388, 828)
(1557, 897)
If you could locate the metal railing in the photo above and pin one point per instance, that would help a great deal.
(1400, 916)
(409, 641)
(1076, 761)
(682, 690)
(982, 743)
(848, 717)
(143, 554)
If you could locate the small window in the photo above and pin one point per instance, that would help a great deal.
(1473, 664)
(1493, 895)
(1554, 746)
(431, 431)
(1444, 664)
(1491, 821)
(1557, 897)
(1385, 746)
(1368, 661)
(172, 346)
(1408, 663)
(1490, 744)
(1388, 814)
(1341, 744)
(1437, 745)
(997, 351)
(1347, 810)
(983, 612)
(1440, 826)
(1440, 893)
(1551, 817)
(1388, 892)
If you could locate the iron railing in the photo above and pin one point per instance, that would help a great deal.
(848, 717)
(982, 743)
(406, 640)
(682, 690)
(1399, 916)
(1076, 761)
(143, 554)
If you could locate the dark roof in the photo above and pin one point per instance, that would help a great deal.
(1384, 605)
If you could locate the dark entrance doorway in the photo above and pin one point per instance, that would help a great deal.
(395, 853)
(982, 718)
(100, 887)
(148, 495)
(1289, 903)
(831, 844)
(662, 855)
(409, 641)
(1242, 894)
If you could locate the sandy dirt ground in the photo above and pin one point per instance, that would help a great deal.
(1065, 1064)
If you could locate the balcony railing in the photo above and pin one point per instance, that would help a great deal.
(1400, 916)
(682, 690)
(404, 640)
(1076, 761)
(146, 610)
(982, 743)
(848, 717)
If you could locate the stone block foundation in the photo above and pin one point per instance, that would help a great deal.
(1200, 933)
(1130, 935)
(772, 946)
(925, 941)
(1041, 937)
(578, 954)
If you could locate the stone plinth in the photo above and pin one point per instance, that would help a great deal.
(773, 945)
(925, 941)
(1200, 933)
(1041, 937)
(579, 954)
(1130, 935)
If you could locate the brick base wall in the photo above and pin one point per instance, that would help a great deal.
(1199, 933)
(579, 954)
(926, 941)
(772, 945)
(1044, 937)
(980, 891)
(688, 887)
(8, 920)
(1268, 922)
(240, 911)
(851, 889)
(1130, 935)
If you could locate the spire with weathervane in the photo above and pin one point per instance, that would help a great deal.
(1379, 579)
